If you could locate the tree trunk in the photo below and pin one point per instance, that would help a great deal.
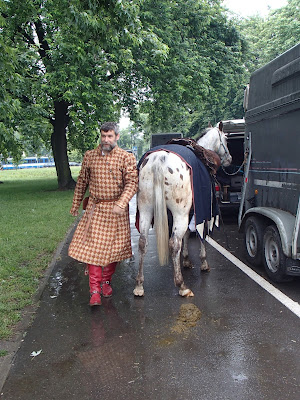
(59, 146)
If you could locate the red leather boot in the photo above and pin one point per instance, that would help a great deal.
(107, 273)
(95, 276)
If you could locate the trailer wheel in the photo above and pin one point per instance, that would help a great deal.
(254, 240)
(274, 259)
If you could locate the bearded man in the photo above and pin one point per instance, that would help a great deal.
(102, 237)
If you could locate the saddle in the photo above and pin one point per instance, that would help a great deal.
(209, 158)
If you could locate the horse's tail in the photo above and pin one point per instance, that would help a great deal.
(160, 215)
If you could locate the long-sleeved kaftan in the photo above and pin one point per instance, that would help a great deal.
(102, 237)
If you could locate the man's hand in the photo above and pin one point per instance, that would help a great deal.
(74, 213)
(118, 210)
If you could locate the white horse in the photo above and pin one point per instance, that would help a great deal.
(165, 182)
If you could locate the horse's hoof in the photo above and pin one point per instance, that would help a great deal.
(186, 293)
(139, 292)
(205, 267)
(187, 264)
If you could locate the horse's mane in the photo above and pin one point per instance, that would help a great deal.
(209, 128)
(203, 133)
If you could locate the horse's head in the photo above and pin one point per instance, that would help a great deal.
(222, 150)
(216, 140)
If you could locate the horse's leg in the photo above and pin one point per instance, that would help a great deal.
(145, 221)
(180, 224)
(186, 262)
(204, 264)
(139, 287)
(185, 253)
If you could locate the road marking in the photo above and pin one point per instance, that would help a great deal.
(285, 300)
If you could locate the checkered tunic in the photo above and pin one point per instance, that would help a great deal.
(109, 177)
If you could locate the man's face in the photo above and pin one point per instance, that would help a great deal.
(108, 140)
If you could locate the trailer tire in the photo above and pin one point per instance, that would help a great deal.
(274, 259)
(254, 229)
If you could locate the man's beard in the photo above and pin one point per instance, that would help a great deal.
(109, 146)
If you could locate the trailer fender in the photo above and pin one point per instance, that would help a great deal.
(284, 221)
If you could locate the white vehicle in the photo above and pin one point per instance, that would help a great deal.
(29, 162)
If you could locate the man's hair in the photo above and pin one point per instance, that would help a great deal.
(110, 126)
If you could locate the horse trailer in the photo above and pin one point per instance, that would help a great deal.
(269, 213)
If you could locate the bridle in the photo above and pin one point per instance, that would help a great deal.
(222, 144)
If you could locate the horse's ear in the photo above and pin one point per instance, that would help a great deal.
(209, 125)
(221, 126)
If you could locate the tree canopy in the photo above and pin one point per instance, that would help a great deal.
(72, 58)
(268, 38)
(198, 78)
(69, 65)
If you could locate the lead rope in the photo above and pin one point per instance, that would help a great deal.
(234, 173)
(221, 218)
(241, 166)
(220, 213)
(224, 232)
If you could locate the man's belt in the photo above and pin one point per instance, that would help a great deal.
(95, 201)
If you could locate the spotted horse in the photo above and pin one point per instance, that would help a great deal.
(167, 181)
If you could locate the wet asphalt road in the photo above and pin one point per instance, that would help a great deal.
(231, 239)
(244, 346)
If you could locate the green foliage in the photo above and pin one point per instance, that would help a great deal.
(9, 106)
(75, 156)
(74, 51)
(131, 138)
(174, 66)
(201, 73)
(281, 31)
(270, 37)
(126, 139)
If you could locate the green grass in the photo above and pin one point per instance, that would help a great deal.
(34, 218)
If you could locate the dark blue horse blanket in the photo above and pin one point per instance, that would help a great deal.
(206, 210)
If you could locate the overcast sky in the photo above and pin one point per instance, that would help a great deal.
(245, 8)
